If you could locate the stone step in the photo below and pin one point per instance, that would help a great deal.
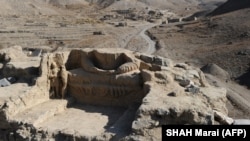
(41, 112)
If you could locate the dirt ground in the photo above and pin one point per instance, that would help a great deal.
(102, 117)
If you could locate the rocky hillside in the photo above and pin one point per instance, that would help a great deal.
(66, 2)
(231, 5)
(26, 7)
(173, 4)
(182, 7)
(50, 7)
(40, 7)
(222, 40)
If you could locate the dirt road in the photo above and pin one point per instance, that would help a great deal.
(151, 44)
(140, 41)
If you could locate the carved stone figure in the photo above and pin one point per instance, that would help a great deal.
(63, 74)
(54, 81)
(58, 76)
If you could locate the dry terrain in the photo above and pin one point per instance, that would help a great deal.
(127, 70)
(221, 39)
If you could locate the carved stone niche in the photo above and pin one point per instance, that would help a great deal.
(104, 78)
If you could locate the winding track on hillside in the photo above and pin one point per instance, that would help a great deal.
(150, 49)
(151, 44)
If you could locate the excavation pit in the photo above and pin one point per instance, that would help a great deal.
(110, 95)
(108, 89)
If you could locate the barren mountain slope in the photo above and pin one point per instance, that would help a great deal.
(223, 40)
(48, 7)
(231, 5)
(11, 7)
(174, 4)
(38, 7)
(66, 2)
(182, 7)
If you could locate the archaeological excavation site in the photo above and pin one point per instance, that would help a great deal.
(121, 70)
(105, 94)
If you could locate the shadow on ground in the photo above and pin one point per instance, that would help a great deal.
(245, 79)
